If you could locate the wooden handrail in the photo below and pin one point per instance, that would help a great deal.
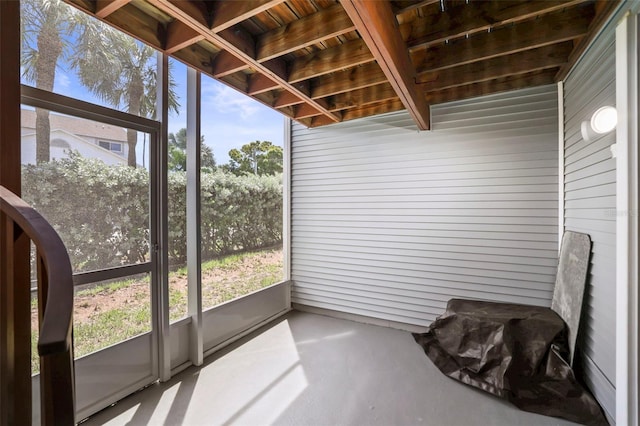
(55, 299)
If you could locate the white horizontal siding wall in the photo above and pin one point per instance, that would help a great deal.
(590, 203)
(390, 223)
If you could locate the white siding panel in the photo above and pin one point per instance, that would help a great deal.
(590, 194)
(391, 223)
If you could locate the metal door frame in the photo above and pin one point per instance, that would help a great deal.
(157, 224)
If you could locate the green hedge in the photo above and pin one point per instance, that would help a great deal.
(102, 212)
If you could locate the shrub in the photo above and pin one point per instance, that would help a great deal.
(102, 212)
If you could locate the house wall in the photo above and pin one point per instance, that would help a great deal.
(590, 203)
(390, 223)
(85, 148)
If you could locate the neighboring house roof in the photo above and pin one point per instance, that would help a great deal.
(62, 137)
(77, 126)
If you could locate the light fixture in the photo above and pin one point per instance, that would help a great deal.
(602, 121)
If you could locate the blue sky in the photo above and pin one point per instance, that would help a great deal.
(229, 118)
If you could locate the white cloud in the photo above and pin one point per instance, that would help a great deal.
(228, 101)
(62, 80)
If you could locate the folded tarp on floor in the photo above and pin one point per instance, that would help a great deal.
(516, 352)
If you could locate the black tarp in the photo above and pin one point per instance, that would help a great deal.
(513, 351)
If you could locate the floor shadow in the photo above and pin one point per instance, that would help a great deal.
(309, 369)
(148, 400)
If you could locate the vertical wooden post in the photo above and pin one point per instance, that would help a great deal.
(10, 95)
(15, 323)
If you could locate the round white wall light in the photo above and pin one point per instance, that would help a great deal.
(604, 119)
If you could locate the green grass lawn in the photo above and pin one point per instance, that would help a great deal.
(109, 313)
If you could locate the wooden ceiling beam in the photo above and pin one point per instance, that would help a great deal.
(289, 112)
(361, 97)
(354, 78)
(196, 12)
(235, 42)
(304, 111)
(466, 19)
(268, 98)
(547, 30)
(519, 63)
(236, 81)
(241, 41)
(414, 6)
(225, 63)
(522, 81)
(603, 10)
(196, 56)
(138, 24)
(377, 25)
(374, 109)
(260, 83)
(346, 55)
(180, 36)
(87, 6)
(327, 23)
(315, 121)
(228, 13)
(105, 8)
(286, 99)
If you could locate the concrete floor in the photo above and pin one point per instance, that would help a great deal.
(308, 369)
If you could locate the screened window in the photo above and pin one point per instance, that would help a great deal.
(111, 146)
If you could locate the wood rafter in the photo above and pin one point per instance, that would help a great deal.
(325, 61)
(466, 19)
(197, 56)
(131, 21)
(415, 6)
(228, 13)
(492, 86)
(354, 78)
(304, 111)
(327, 23)
(180, 36)
(604, 9)
(361, 97)
(286, 99)
(502, 66)
(374, 109)
(260, 83)
(225, 64)
(240, 45)
(377, 25)
(547, 30)
(105, 8)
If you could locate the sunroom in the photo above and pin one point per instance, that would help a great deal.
(432, 149)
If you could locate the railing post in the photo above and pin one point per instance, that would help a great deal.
(12, 396)
(56, 371)
(16, 327)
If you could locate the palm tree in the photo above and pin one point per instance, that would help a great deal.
(44, 24)
(119, 70)
(178, 156)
